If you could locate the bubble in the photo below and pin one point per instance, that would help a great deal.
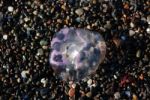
(76, 53)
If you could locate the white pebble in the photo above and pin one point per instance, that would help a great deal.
(115, 76)
(89, 82)
(131, 32)
(10, 9)
(73, 85)
(5, 37)
(148, 30)
(132, 25)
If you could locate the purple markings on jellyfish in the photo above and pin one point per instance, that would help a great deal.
(54, 40)
(82, 56)
(60, 36)
(58, 58)
(54, 60)
(56, 46)
(88, 46)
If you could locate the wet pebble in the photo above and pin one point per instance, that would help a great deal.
(79, 11)
(5, 37)
(10, 8)
(138, 53)
(40, 52)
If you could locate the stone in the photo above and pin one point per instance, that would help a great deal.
(131, 32)
(79, 11)
(5, 36)
(10, 9)
(40, 51)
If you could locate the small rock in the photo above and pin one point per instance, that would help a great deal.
(26, 19)
(24, 73)
(40, 52)
(138, 53)
(123, 37)
(1, 16)
(89, 82)
(25, 26)
(71, 92)
(78, 19)
(117, 42)
(35, 12)
(107, 26)
(115, 76)
(73, 85)
(131, 32)
(43, 43)
(5, 37)
(132, 24)
(89, 94)
(94, 85)
(70, 82)
(41, 7)
(10, 9)
(18, 80)
(94, 1)
(148, 73)
(79, 11)
(23, 48)
(148, 19)
(86, 8)
(134, 97)
(37, 34)
(88, 27)
(45, 47)
(43, 80)
(117, 96)
(148, 30)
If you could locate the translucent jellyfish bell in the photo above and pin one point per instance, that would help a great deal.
(76, 53)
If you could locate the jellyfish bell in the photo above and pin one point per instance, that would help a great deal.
(76, 53)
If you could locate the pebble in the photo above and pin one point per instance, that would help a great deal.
(117, 95)
(23, 48)
(71, 92)
(117, 42)
(24, 73)
(89, 82)
(5, 36)
(43, 80)
(45, 47)
(74, 85)
(148, 30)
(89, 94)
(88, 27)
(86, 8)
(1, 16)
(35, 12)
(43, 43)
(26, 19)
(132, 25)
(148, 19)
(131, 32)
(148, 73)
(138, 53)
(10, 9)
(79, 11)
(40, 52)
(115, 76)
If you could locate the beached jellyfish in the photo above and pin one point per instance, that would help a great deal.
(76, 53)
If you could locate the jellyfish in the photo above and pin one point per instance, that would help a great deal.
(76, 53)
